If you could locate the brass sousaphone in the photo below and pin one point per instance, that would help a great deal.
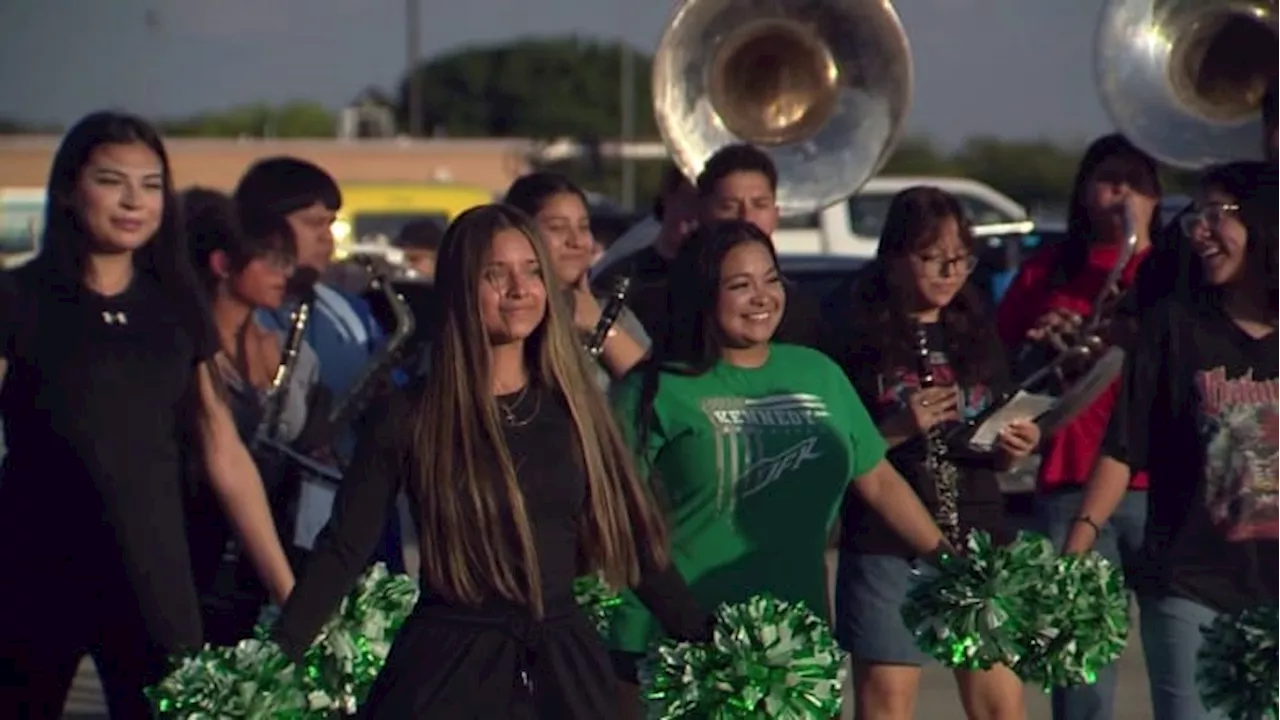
(822, 86)
(1183, 80)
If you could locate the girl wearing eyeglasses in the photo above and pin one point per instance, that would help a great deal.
(242, 273)
(914, 338)
(1055, 289)
(1198, 413)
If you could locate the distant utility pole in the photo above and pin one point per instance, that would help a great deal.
(413, 54)
(627, 104)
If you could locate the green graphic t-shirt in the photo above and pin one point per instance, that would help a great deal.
(751, 466)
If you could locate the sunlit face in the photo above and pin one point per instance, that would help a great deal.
(1111, 182)
(313, 235)
(1218, 237)
(751, 299)
(935, 274)
(120, 196)
(744, 196)
(513, 296)
(566, 227)
(262, 282)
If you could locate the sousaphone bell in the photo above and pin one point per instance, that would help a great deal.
(822, 86)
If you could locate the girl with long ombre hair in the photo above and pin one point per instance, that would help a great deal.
(520, 482)
(109, 393)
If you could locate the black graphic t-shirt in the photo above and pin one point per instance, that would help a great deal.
(1198, 412)
(980, 503)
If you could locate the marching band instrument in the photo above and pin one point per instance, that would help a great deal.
(822, 86)
(608, 317)
(937, 464)
(1184, 79)
(1069, 372)
(377, 372)
(302, 286)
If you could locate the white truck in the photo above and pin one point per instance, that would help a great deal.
(852, 228)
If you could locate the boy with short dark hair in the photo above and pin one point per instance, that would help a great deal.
(342, 329)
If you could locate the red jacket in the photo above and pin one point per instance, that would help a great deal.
(1066, 457)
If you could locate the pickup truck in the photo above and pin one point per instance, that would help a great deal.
(852, 228)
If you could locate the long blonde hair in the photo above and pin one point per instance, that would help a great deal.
(476, 534)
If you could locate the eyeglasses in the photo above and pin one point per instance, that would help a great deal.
(279, 262)
(936, 266)
(1207, 216)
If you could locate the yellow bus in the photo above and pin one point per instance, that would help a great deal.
(373, 214)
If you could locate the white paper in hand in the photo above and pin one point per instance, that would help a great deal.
(1022, 406)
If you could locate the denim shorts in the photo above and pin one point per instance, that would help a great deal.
(870, 590)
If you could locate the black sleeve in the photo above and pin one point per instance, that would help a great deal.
(1146, 367)
(10, 304)
(365, 499)
(665, 593)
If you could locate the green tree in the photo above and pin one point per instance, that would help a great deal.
(1031, 172)
(540, 88)
(291, 120)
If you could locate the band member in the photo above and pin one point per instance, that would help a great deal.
(1055, 289)
(740, 182)
(1198, 412)
(751, 442)
(676, 208)
(343, 331)
(916, 341)
(559, 209)
(420, 241)
(243, 274)
(109, 383)
(520, 481)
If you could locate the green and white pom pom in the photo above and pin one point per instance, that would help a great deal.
(597, 600)
(767, 659)
(251, 681)
(969, 612)
(1076, 622)
(254, 680)
(343, 662)
(1238, 664)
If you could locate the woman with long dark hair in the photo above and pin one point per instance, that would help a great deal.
(108, 343)
(520, 482)
(1198, 413)
(751, 443)
(559, 208)
(916, 340)
(1055, 289)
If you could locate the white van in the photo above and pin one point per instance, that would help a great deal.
(852, 228)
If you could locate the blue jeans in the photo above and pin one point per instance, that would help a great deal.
(1120, 540)
(1171, 639)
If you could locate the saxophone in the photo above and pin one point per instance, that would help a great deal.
(377, 372)
(608, 316)
(937, 464)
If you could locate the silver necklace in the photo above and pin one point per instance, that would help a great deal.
(114, 318)
(510, 411)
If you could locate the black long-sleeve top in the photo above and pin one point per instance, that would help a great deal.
(554, 485)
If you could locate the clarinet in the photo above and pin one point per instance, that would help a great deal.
(302, 285)
(943, 472)
(608, 316)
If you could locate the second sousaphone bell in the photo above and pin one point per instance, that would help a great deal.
(823, 86)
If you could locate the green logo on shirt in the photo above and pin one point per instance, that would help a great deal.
(760, 441)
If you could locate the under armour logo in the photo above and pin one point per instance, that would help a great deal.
(115, 318)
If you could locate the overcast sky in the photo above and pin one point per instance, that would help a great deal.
(1011, 68)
